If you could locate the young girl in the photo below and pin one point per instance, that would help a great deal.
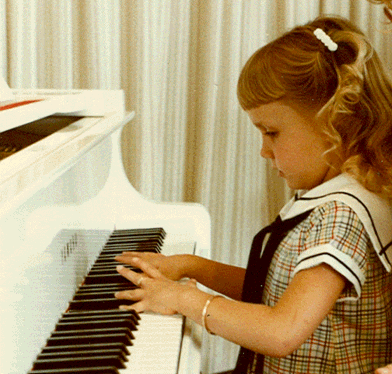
(318, 299)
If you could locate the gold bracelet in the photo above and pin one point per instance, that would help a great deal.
(204, 314)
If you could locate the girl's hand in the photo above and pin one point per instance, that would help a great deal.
(156, 293)
(385, 370)
(171, 267)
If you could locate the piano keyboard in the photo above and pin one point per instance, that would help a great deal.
(94, 336)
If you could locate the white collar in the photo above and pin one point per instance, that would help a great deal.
(374, 212)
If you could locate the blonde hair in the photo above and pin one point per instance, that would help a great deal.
(347, 88)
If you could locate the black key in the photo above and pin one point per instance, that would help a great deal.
(87, 353)
(109, 287)
(100, 313)
(156, 231)
(86, 319)
(110, 265)
(89, 339)
(95, 325)
(101, 272)
(98, 304)
(118, 248)
(80, 296)
(56, 349)
(79, 362)
(114, 330)
(134, 239)
(108, 278)
(92, 370)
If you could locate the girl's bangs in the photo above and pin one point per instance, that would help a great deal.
(260, 82)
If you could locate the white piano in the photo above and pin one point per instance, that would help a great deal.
(63, 191)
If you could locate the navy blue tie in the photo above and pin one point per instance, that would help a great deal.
(248, 361)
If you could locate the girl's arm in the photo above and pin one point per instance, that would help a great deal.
(222, 278)
(385, 370)
(274, 331)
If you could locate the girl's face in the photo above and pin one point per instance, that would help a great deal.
(292, 141)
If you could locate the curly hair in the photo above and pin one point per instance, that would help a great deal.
(347, 88)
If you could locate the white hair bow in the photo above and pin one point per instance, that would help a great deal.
(325, 39)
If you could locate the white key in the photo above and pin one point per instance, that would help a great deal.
(157, 345)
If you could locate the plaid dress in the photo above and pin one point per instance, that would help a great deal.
(343, 230)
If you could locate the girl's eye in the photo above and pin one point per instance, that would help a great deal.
(271, 134)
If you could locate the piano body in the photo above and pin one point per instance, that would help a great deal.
(63, 191)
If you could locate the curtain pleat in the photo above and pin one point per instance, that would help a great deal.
(178, 63)
(22, 40)
(3, 40)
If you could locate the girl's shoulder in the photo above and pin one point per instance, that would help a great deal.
(334, 221)
(341, 199)
(332, 212)
(329, 219)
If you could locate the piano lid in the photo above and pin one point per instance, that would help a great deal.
(55, 142)
(28, 106)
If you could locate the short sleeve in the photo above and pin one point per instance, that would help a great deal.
(337, 237)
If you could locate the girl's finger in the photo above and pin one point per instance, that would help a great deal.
(192, 282)
(128, 274)
(124, 259)
(146, 267)
(128, 255)
(131, 253)
(385, 370)
(137, 307)
(129, 295)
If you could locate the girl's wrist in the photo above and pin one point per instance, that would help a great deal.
(190, 302)
(187, 263)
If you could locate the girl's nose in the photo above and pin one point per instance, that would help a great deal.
(266, 151)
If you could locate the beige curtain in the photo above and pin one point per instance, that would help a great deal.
(178, 62)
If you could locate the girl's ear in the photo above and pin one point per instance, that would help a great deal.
(388, 13)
